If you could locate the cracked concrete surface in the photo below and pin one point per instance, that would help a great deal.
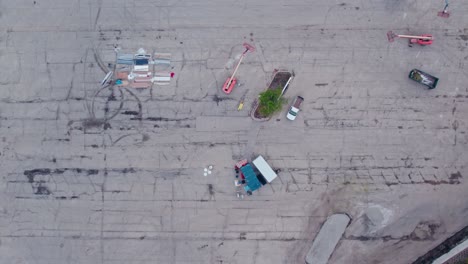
(95, 175)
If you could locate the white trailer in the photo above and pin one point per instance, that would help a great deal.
(264, 168)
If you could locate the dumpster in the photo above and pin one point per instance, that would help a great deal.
(423, 78)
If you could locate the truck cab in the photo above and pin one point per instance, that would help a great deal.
(294, 109)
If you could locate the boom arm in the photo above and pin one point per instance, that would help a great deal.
(416, 37)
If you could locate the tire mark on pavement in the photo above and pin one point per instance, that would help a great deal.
(140, 106)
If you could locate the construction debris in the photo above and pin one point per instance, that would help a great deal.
(141, 70)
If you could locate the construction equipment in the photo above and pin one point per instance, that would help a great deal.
(241, 101)
(241, 105)
(444, 13)
(231, 81)
(422, 40)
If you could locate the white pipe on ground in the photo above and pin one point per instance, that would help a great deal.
(285, 86)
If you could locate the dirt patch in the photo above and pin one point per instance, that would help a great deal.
(455, 176)
(130, 113)
(424, 231)
(210, 189)
(42, 190)
(218, 99)
(30, 174)
(279, 80)
(93, 123)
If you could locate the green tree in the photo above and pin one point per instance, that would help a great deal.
(270, 101)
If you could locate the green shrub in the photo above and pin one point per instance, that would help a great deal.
(270, 101)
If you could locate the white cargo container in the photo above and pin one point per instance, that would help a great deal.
(264, 168)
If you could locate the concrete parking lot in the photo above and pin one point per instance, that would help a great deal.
(368, 142)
